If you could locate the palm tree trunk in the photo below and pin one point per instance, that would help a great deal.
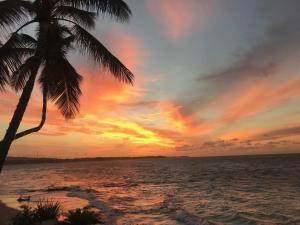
(43, 120)
(17, 118)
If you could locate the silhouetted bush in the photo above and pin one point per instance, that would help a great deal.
(47, 210)
(25, 217)
(81, 217)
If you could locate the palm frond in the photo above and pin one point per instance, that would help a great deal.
(12, 54)
(63, 83)
(20, 76)
(58, 76)
(117, 9)
(82, 17)
(18, 41)
(91, 46)
(4, 73)
(17, 47)
(15, 12)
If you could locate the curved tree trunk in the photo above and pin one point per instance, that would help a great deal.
(43, 120)
(11, 132)
(17, 118)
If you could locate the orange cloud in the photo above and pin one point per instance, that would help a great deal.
(257, 98)
(105, 94)
(229, 112)
(132, 132)
(178, 17)
(171, 112)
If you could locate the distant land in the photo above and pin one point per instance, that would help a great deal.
(28, 160)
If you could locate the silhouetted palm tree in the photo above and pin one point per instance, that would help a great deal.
(60, 26)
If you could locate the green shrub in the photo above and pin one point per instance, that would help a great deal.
(81, 217)
(25, 217)
(47, 210)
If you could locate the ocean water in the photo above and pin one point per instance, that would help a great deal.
(228, 190)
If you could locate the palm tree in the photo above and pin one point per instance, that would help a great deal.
(61, 25)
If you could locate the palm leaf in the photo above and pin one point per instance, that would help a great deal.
(118, 9)
(91, 46)
(82, 17)
(20, 76)
(15, 12)
(63, 83)
(15, 49)
(4, 73)
(12, 54)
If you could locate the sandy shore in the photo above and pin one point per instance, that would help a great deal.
(6, 213)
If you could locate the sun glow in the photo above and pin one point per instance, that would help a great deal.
(132, 132)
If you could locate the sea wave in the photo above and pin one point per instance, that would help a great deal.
(192, 191)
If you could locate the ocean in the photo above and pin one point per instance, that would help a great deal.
(222, 190)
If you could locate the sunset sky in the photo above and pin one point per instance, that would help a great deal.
(213, 77)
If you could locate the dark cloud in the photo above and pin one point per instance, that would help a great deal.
(242, 70)
(210, 145)
(260, 143)
(278, 134)
(187, 148)
(140, 104)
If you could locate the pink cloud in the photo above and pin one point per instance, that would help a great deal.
(178, 17)
(127, 48)
(258, 97)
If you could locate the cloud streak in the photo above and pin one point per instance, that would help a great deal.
(258, 98)
(178, 17)
(279, 133)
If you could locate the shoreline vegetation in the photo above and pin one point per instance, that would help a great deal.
(47, 212)
(30, 160)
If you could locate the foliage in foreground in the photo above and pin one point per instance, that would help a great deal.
(45, 210)
(48, 210)
(25, 217)
(81, 217)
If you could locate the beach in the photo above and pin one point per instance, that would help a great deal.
(6, 214)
